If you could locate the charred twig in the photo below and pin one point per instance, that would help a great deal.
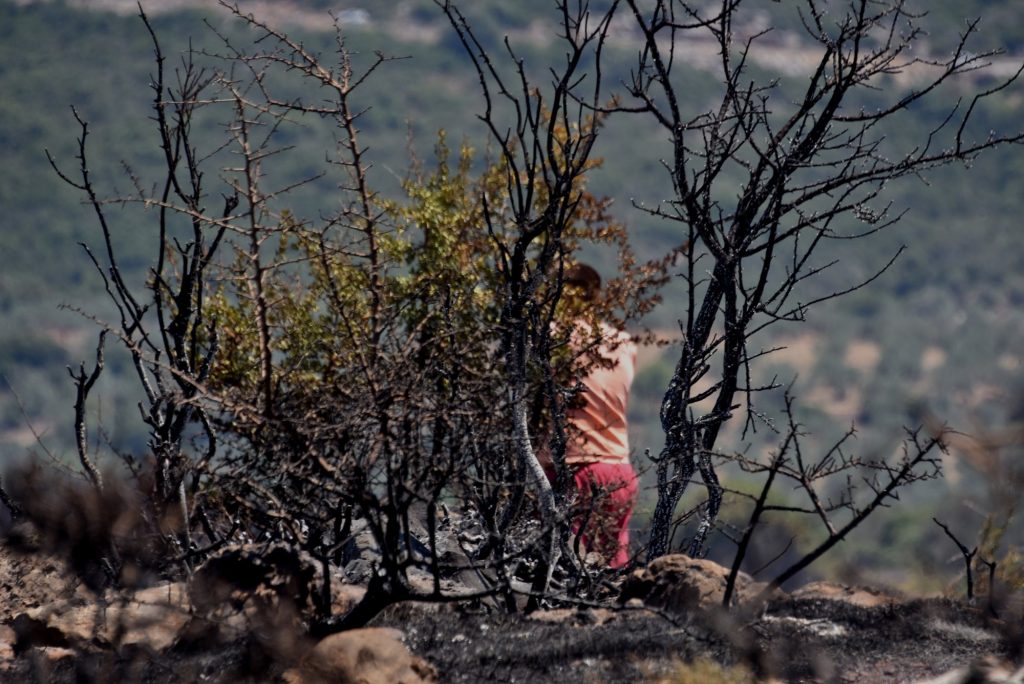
(83, 385)
(991, 602)
(968, 555)
(915, 465)
(755, 517)
(12, 506)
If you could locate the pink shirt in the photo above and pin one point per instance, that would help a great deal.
(597, 432)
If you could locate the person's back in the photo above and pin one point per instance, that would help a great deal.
(597, 451)
(598, 415)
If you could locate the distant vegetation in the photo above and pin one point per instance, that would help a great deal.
(940, 333)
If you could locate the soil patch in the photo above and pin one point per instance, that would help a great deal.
(821, 635)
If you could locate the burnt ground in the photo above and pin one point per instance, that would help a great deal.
(821, 639)
(792, 639)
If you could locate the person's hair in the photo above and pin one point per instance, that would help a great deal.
(586, 278)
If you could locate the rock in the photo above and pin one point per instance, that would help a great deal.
(7, 640)
(28, 580)
(53, 654)
(345, 596)
(359, 570)
(359, 553)
(858, 596)
(679, 583)
(366, 656)
(152, 617)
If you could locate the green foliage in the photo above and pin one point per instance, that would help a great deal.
(432, 268)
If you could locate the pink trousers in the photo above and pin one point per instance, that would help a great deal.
(606, 494)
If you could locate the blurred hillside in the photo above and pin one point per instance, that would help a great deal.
(940, 332)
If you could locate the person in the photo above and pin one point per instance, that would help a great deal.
(597, 444)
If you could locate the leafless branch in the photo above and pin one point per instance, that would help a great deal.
(968, 557)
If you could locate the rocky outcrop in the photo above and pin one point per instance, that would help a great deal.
(678, 583)
(858, 596)
(368, 656)
(152, 617)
